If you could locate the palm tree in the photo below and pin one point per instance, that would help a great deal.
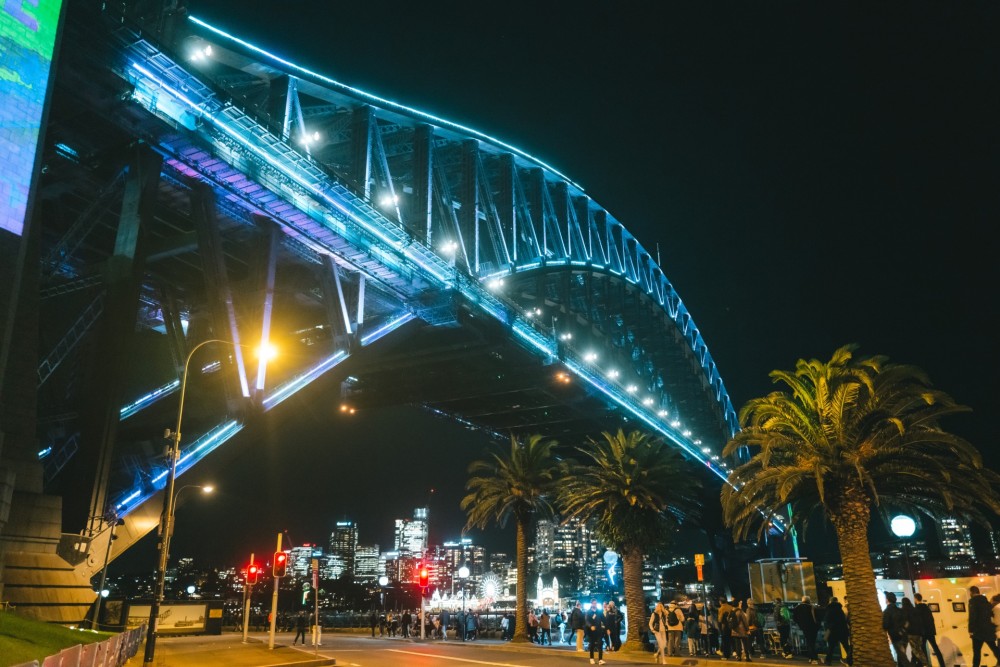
(637, 492)
(850, 435)
(519, 485)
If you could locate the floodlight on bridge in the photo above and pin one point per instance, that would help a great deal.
(631, 389)
(590, 357)
(613, 374)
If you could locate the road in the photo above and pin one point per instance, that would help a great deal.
(362, 651)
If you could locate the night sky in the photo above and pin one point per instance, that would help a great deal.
(814, 175)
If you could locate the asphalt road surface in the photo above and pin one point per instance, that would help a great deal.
(361, 651)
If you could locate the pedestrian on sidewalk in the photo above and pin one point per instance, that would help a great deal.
(300, 627)
(928, 629)
(576, 624)
(658, 626)
(594, 622)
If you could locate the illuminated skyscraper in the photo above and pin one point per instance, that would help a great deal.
(300, 559)
(411, 534)
(956, 539)
(366, 563)
(571, 548)
(344, 545)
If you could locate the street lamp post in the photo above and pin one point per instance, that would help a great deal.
(169, 499)
(463, 574)
(903, 527)
(383, 581)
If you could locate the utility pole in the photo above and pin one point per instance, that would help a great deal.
(274, 601)
(317, 631)
(246, 600)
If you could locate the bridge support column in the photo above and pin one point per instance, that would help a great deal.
(423, 166)
(333, 300)
(104, 397)
(267, 263)
(219, 295)
(469, 213)
(32, 574)
(361, 149)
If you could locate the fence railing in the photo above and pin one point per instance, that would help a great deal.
(112, 652)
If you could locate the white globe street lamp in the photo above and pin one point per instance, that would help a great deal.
(903, 527)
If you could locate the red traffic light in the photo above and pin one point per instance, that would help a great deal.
(253, 570)
(423, 577)
(280, 563)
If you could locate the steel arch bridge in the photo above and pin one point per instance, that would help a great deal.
(201, 187)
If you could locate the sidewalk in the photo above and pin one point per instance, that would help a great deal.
(226, 649)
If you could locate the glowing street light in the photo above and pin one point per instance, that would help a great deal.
(169, 505)
(903, 527)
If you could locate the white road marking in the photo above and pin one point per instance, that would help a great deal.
(445, 657)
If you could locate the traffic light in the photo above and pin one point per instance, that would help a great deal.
(280, 563)
(423, 576)
(252, 571)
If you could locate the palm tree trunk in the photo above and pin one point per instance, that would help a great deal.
(635, 600)
(521, 612)
(869, 641)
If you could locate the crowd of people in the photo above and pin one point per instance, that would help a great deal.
(463, 625)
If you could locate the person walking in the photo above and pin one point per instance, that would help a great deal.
(783, 624)
(445, 622)
(471, 626)
(756, 621)
(532, 626)
(613, 620)
(594, 622)
(576, 625)
(912, 626)
(407, 619)
(981, 628)
(725, 617)
(658, 626)
(804, 616)
(301, 624)
(703, 616)
(545, 625)
(740, 629)
(892, 623)
(692, 630)
(836, 628)
(928, 628)
(675, 628)
(373, 621)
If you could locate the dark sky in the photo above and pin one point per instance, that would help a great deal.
(815, 174)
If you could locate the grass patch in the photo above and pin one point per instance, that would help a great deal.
(22, 639)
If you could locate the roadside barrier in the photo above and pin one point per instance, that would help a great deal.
(112, 652)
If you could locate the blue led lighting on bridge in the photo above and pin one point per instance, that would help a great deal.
(387, 328)
(292, 386)
(375, 227)
(380, 100)
(145, 401)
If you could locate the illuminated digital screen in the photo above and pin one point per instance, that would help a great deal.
(27, 40)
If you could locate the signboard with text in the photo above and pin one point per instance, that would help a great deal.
(28, 30)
